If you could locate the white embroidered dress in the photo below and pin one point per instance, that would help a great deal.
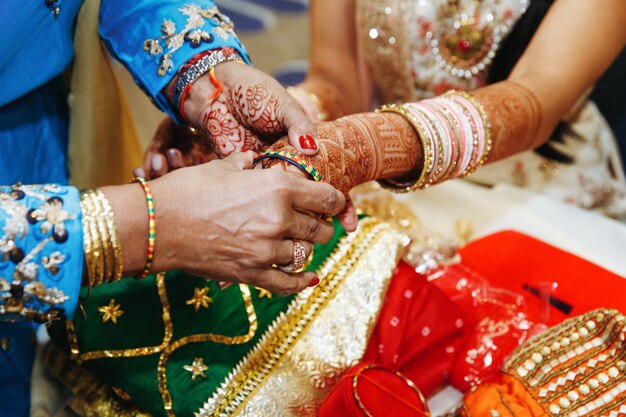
(416, 49)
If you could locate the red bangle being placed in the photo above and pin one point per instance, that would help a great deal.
(151, 226)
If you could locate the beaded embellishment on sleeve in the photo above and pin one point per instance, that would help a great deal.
(195, 33)
(31, 240)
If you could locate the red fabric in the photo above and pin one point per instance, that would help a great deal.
(432, 331)
(382, 393)
(511, 260)
(504, 269)
(418, 331)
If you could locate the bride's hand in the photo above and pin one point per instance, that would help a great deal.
(250, 113)
(361, 148)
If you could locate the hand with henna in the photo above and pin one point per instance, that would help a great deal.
(250, 113)
(357, 149)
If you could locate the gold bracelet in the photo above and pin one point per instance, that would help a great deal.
(91, 240)
(111, 241)
(429, 157)
(103, 253)
(105, 238)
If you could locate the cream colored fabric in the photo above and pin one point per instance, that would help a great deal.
(103, 146)
(595, 179)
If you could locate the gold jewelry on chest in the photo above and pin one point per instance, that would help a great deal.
(467, 41)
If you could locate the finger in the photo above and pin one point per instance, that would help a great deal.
(158, 165)
(349, 217)
(224, 284)
(317, 197)
(285, 252)
(240, 160)
(301, 131)
(284, 284)
(300, 128)
(309, 228)
(174, 159)
(139, 172)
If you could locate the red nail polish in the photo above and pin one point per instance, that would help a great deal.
(314, 282)
(307, 142)
(244, 149)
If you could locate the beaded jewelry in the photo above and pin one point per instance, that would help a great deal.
(151, 226)
(293, 159)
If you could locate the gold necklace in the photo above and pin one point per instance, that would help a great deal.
(465, 48)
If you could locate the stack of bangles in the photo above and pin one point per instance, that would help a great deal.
(196, 68)
(455, 134)
(103, 252)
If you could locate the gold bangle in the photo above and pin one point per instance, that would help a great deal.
(115, 262)
(91, 240)
(103, 254)
(429, 158)
(410, 384)
(105, 239)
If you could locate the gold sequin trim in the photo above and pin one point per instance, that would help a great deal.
(127, 353)
(208, 337)
(290, 326)
(576, 368)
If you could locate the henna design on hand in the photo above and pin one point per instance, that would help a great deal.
(226, 133)
(515, 114)
(362, 148)
(236, 118)
(257, 108)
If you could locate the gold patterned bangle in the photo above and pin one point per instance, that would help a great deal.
(429, 157)
(103, 253)
(91, 240)
(314, 98)
(105, 239)
(116, 271)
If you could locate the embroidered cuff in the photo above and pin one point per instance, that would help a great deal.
(41, 252)
(153, 54)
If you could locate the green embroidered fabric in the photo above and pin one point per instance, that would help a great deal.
(127, 354)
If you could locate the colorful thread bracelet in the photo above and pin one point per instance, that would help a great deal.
(292, 159)
(199, 68)
(151, 226)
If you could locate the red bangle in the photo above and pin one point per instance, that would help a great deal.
(151, 226)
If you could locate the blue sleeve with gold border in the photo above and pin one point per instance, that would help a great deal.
(41, 252)
(154, 38)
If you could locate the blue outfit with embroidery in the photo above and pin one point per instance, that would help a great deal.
(41, 242)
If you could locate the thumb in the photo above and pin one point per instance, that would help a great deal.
(301, 130)
(240, 160)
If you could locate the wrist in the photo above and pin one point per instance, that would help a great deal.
(169, 230)
(198, 101)
(131, 217)
(199, 67)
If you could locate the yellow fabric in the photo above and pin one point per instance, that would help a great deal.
(103, 145)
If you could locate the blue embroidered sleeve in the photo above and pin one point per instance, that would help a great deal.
(154, 38)
(41, 252)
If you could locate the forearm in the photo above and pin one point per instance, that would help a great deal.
(332, 99)
(128, 203)
(333, 74)
(362, 148)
